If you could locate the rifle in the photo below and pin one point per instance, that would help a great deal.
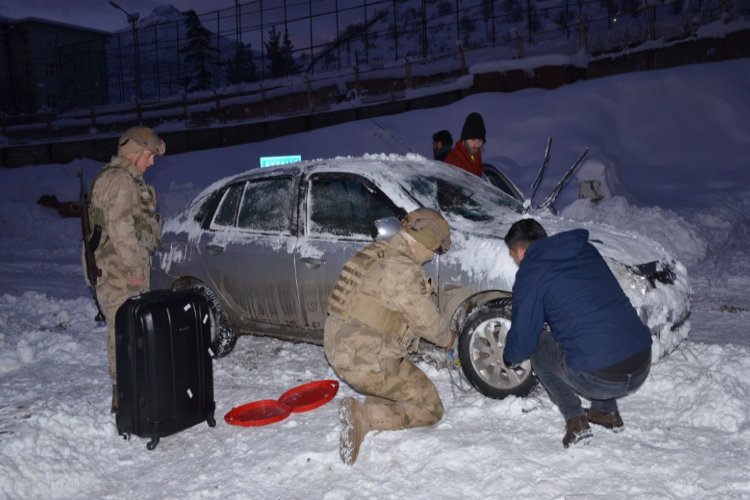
(89, 245)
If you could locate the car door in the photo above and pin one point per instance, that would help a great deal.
(337, 214)
(250, 251)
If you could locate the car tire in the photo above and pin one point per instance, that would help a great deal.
(480, 350)
(223, 337)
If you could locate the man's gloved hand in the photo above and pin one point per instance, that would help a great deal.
(449, 346)
(510, 365)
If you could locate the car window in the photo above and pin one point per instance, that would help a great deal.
(267, 205)
(345, 205)
(227, 212)
(497, 180)
(470, 202)
(206, 209)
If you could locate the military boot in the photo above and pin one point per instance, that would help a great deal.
(354, 428)
(113, 408)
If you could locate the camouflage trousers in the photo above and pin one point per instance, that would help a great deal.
(112, 293)
(399, 397)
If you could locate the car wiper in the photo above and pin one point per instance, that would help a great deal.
(551, 198)
(540, 173)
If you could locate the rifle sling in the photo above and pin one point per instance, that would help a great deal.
(96, 236)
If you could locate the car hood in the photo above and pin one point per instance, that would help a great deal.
(480, 245)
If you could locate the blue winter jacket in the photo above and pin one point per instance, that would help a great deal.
(562, 280)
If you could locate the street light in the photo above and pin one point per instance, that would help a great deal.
(133, 19)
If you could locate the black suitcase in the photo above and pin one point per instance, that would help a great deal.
(164, 367)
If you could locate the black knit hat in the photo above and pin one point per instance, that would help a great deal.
(473, 127)
(444, 137)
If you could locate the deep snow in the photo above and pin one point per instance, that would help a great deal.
(675, 141)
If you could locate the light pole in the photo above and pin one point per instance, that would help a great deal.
(133, 19)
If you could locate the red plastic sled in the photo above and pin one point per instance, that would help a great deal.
(263, 412)
(299, 399)
(309, 396)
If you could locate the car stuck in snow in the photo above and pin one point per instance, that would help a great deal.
(266, 247)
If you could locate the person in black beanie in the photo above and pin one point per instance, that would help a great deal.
(467, 153)
(442, 141)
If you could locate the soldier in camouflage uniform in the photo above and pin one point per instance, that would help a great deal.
(380, 307)
(123, 206)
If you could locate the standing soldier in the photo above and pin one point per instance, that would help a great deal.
(124, 221)
(379, 309)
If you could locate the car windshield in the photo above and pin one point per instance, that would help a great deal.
(477, 201)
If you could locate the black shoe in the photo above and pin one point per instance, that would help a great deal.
(577, 432)
(609, 420)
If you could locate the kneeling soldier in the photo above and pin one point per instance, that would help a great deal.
(380, 307)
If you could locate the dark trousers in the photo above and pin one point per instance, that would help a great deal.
(565, 384)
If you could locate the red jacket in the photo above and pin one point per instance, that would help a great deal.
(460, 157)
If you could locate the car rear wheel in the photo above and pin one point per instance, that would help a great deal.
(223, 337)
(480, 349)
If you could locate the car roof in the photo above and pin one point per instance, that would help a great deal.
(382, 169)
(392, 174)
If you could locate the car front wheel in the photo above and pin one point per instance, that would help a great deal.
(480, 349)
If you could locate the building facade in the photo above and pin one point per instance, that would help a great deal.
(50, 66)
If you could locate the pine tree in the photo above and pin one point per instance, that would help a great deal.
(199, 55)
(287, 51)
(273, 53)
(280, 56)
(241, 67)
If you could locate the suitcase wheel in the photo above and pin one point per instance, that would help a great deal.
(152, 444)
(211, 421)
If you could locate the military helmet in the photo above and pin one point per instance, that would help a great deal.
(138, 139)
(429, 228)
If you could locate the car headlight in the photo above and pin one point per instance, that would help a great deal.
(655, 271)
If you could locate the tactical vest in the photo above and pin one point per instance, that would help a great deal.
(147, 221)
(347, 303)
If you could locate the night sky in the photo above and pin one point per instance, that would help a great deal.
(99, 14)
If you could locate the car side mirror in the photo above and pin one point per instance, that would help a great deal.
(385, 228)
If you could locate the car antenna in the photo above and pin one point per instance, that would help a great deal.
(551, 198)
(392, 135)
(539, 174)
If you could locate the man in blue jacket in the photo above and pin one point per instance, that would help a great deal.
(596, 346)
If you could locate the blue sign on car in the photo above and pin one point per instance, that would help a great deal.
(270, 161)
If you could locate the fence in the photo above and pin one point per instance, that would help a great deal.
(149, 61)
(299, 108)
(371, 50)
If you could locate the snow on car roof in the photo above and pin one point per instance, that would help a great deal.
(397, 174)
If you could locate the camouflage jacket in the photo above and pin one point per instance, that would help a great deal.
(385, 312)
(125, 208)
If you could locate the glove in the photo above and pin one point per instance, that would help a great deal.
(509, 364)
(449, 345)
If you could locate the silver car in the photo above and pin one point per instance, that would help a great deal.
(267, 245)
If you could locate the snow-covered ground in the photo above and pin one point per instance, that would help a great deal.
(674, 147)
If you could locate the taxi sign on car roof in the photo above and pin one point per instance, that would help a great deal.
(271, 161)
